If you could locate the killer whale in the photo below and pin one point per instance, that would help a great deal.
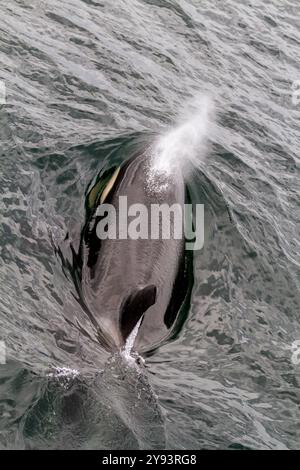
(123, 280)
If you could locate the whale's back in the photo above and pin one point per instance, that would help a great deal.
(124, 279)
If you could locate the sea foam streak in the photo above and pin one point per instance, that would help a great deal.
(127, 350)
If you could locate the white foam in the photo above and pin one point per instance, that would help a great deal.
(64, 372)
(127, 350)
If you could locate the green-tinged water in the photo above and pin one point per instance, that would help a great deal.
(86, 82)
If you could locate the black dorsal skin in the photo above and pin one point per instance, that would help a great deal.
(136, 304)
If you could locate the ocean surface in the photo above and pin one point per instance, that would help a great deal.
(86, 81)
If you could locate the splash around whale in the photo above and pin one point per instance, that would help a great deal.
(141, 284)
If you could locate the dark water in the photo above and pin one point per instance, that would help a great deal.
(86, 80)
